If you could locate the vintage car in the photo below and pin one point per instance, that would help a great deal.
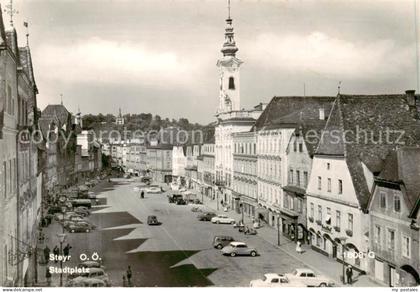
(220, 241)
(97, 273)
(83, 211)
(172, 198)
(309, 278)
(90, 264)
(85, 282)
(238, 248)
(222, 219)
(77, 227)
(81, 203)
(206, 216)
(152, 220)
(153, 190)
(275, 280)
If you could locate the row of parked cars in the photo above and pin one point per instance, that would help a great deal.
(94, 276)
(297, 278)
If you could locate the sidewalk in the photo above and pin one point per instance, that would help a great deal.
(310, 258)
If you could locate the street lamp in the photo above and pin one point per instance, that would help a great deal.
(62, 237)
(278, 231)
(343, 242)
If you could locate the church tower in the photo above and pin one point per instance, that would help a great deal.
(229, 97)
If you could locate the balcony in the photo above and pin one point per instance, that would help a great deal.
(234, 115)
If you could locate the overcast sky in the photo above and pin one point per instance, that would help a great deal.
(159, 56)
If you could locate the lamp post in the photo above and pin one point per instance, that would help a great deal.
(278, 231)
(343, 242)
(62, 238)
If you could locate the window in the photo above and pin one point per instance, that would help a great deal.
(300, 147)
(383, 200)
(312, 210)
(397, 203)
(340, 187)
(291, 176)
(305, 179)
(298, 177)
(299, 205)
(377, 235)
(406, 246)
(329, 185)
(328, 166)
(231, 83)
(319, 182)
(350, 222)
(338, 219)
(391, 239)
(295, 146)
(320, 213)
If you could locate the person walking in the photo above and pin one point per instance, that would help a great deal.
(349, 273)
(46, 253)
(299, 247)
(48, 276)
(124, 281)
(56, 252)
(66, 249)
(129, 274)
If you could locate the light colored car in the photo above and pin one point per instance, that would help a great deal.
(222, 219)
(90, 264)
(309, 278)
(275, 280)
(153, 190)
(97, 273)
(238, 248)
(85, 282)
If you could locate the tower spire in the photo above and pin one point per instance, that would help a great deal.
(229, 46)
(11, 11)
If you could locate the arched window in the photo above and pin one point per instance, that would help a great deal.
(231, 83)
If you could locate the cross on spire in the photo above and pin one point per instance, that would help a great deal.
(61, 97)
(228, 9)
(11, 11)
(339, 87)
(27, 32)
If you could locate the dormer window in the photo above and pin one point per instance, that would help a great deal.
(231, 83)
(397, 203)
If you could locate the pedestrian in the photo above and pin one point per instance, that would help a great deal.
(66, 249)
(56, 252)
(48, 276)
(46, 253)
(221, 202)
(298, 247)
(124, 281)
(349, 273)
(129, 274)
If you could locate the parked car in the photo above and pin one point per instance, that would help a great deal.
(91, 195)
(97, 273)
(309, 278)
(72, 221)
(206, 216)
(82, 226)
(85, 282)
(196, 209)
(152, 220)
(83, 211)
(220, 241)
(66, 216)
(238, 248)
(81, 202)
(222, 219)
(90, 264)
(153, 190)
(181, 201)
(172, 198)
(275, 280)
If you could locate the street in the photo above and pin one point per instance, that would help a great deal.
(177, 253)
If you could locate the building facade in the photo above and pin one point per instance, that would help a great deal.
(394, 217)
(245, 183)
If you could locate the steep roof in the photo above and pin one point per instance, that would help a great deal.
(284, 110)
(26, 63)
(403, 166)
(56, 110)
(364, 129)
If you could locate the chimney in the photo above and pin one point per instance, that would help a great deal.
(321, 113)
(411, 98)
